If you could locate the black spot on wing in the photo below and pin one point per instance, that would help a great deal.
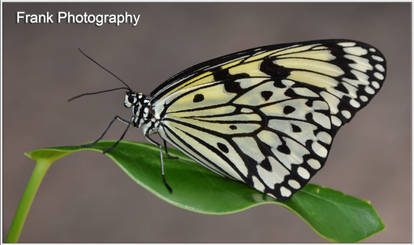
(223, 147)
(266, 95)
(266, 164)
(296, 128)
(309, 103)
(288, 109)
(198, 98)
(283, 148)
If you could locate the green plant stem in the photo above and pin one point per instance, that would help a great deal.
(23, 209)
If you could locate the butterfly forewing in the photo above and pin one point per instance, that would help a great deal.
(267, 116)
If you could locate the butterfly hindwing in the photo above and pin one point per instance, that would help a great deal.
(272, 142)
(267, 116)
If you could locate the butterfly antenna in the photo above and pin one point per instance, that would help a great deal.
(105, 69)
(98, 92)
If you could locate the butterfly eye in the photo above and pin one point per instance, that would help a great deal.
(130, 99)
(127, 101)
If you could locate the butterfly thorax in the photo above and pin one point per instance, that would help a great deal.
(141, 112)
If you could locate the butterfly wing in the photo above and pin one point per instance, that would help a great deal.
(267, 116)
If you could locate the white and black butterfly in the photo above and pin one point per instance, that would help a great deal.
(264, 116)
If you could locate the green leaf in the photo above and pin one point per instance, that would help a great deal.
(332, 214)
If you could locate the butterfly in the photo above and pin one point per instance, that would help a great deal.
(265, 116)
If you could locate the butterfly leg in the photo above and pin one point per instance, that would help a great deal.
(106, 130)
(162, 161)
(166, 151)
(117, 142)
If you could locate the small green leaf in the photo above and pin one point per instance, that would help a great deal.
(332, 214)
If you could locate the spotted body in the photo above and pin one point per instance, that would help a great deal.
(265, 116)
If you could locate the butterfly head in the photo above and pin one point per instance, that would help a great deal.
(140, 105)
(133, 99)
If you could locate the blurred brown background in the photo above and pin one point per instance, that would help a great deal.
(87, 198)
